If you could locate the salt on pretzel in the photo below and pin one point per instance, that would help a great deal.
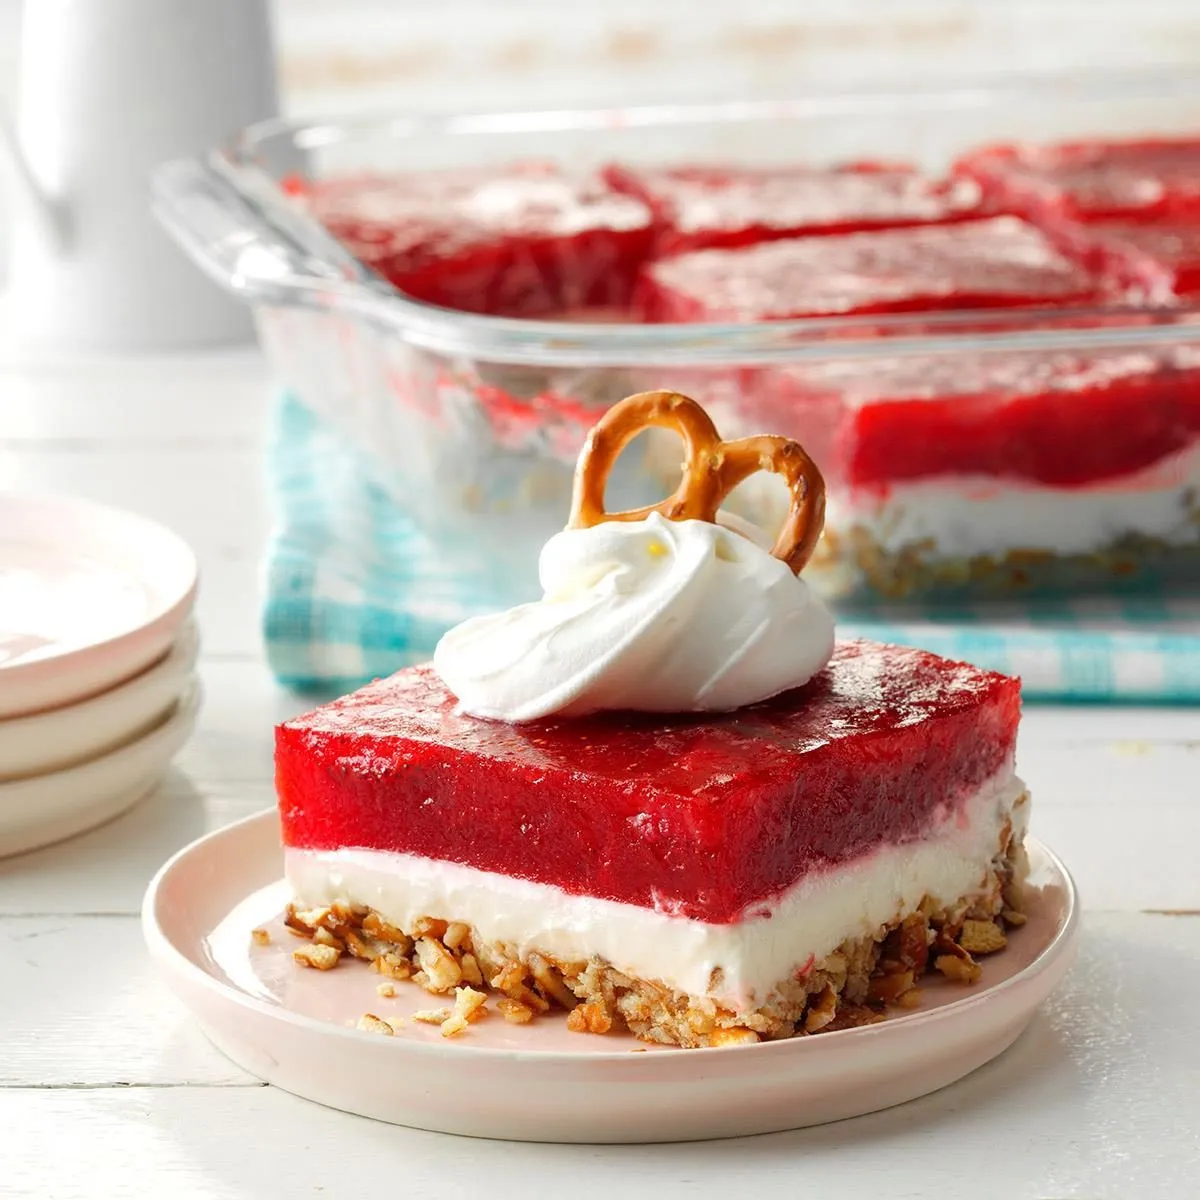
(712, 468)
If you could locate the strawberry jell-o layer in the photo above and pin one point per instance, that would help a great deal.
(1092, 180)
(1061, 419)
(1162, 258)
(999, 262)
(702, 206)
(523, 241)
(698, 817)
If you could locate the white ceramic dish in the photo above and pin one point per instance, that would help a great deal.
(89, 597)
(64, 737)
(48, 808)
(539, 1082)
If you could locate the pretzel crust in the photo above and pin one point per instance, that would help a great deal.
(712, 468)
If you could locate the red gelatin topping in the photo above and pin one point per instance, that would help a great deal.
(1000, 262)
(525, 241)
(698, 207)
(1058, 419)
(1162, 258)
(1092, 180)
(699, 816)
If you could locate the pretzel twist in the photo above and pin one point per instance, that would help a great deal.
(712, 468)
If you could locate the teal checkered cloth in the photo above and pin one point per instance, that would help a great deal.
(354, 591)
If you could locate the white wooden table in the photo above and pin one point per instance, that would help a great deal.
(108, 1090)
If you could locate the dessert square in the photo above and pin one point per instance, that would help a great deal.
(783, 868)
(1092, 181)
(1159, 260)
(997, 262)
(723, 206)
(522, 241)
(1000, 472)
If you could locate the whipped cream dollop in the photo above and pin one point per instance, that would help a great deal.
(651, 615)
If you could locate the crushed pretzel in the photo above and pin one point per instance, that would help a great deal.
(469, 1003)
(432, 1016)
(961, 970)
(370, 1023)
(442, 973)
(356, 947)
(456, 936)
(887, 989)
(981, 937)
(322, 937)
(374, 926)
(386, 990)
(550, 982)
(912, 940)
(469, 1006)
(852, 1016)
(510, 980)
(732, 1037)
(262, 937)
(589, 1018)
(320, 958)
(293, 924)
(820, 1012)
(393, 966)
(514, 1012)
(430, 927)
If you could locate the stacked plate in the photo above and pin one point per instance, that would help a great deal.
(97, 664)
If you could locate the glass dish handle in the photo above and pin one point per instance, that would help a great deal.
(257, 251)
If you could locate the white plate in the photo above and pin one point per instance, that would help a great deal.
(539, 1082)
(48, 808)
(63, 737)
(89, 596)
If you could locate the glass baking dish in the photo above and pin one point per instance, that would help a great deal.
(473, 422)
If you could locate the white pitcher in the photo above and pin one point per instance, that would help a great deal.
(108, 90)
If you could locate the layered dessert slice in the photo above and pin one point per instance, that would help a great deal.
(999, 262)
(660, 797)
(1006, 472)
(1091, 181)
(1158, 261)
(724, 206)
(787, 867)
(523, 241)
